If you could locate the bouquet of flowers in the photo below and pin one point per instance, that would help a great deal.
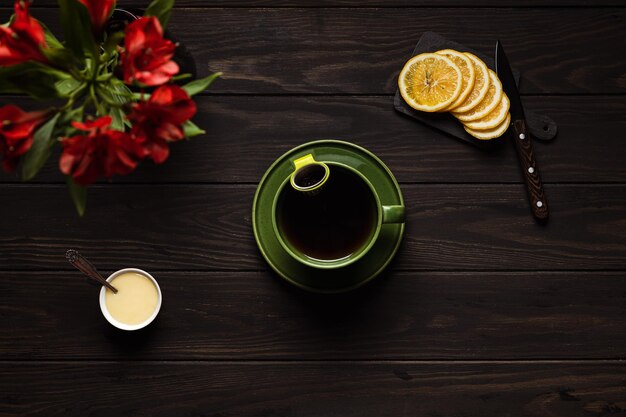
(113, 100)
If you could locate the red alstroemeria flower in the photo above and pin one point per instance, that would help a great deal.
(159, 120)
(147, 55)
(101, 152)
(23, 39)
(16, 133)
(99, 12)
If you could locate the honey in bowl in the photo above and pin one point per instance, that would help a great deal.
(136, 300)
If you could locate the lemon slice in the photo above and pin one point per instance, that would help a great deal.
(490, 102)
(491, 133)
(494, 118)
(467, 72)
(430, 82)
(481, 85)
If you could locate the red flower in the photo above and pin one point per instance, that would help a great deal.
(99, 12)
(147, 56)
(23, 39)
(159, 120)
(101, 152)
(16, 133)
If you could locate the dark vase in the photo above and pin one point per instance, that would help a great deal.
(122, 17)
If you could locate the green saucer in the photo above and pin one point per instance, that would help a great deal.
(335, 280)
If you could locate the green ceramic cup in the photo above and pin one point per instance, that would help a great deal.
(385, 214)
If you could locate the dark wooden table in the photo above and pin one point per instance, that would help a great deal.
(483, 313)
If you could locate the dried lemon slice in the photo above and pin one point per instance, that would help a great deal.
(467, 71)
(481, 85)
(430, 82)
(490, 102)
(494, 118)
(491, 133)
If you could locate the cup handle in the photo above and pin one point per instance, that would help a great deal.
(393, 214)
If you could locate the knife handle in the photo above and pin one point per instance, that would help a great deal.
(528, 163)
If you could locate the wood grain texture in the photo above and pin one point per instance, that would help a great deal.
(366, 3)
(344, 50)
(449, 227)
(483, 313)
(245, 135)
(255, 315)
(312, 389)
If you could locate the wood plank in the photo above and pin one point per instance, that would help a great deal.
(245, 136)
(343, 50)
(449, 227)
(392, 3)
(367, 3)
(312, 389)
(254, 315)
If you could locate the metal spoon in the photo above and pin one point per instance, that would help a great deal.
(83, 265)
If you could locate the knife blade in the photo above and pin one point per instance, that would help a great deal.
(521, 138)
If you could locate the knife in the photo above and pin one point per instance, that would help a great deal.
(521, 138)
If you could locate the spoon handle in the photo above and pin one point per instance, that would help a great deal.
(83, 265)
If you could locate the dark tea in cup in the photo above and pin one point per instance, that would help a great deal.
(333, 224)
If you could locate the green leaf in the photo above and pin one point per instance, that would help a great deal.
(190, 129)
(78, 194)
(31, 78)
(121, 93)
(36, 157)
(67, 86)
(198, 86)
(76, 25)
(115, 93)
(181, 77)
(61, 57)
(161, 9)
(118, 118)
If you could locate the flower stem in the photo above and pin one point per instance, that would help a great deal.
(76, 74)
(94, 97)
(105, 77)
(72, 99)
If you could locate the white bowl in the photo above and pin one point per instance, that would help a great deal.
(119, 324)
